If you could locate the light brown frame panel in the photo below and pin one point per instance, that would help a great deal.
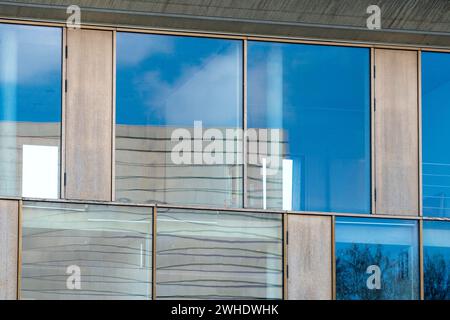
(375, 146)
(19, 251)
(419, 120)
(285, 256)
(113, 118)
(372, 133)
(331, 252)
(62, 157)
(333, 258)
(83, 170)
(10, 248)
(154, 248)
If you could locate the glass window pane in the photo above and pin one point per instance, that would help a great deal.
(166, 86)
(218, 255)
(83, 251)
(436, 133)
(30, 109)
(376, 259)
(319, 97)
(436, 249)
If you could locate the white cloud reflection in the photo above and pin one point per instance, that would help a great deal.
(209, 91)
(37, 53)
(141, 49)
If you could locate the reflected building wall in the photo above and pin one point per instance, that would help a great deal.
(111, 246)
(146, 173)
(218, 255)
(11, 149)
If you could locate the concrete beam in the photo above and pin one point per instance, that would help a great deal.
(406, 22)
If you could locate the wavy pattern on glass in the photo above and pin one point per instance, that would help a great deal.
(218, 255)
(112, 246)
(146, 173)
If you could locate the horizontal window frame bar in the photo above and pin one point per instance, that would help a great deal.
(237, 210)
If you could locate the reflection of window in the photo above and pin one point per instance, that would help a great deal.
(166, 83)
(319, 96)
(218, 254)
(109, 247)
(40, 172)
(376, 259)
(30, 102)
(436, 133)
(436, 241)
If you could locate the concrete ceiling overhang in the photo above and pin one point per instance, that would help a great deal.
(404, 22)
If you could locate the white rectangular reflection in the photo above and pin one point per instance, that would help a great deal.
(287, 184)
(40, 171)
(264, 176)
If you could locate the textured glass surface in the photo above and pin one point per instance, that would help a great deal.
(218, 255)
(376, 259)
(436, 249)
(436, 133)
(30, 101)
(108, 247)
(319, 98)
(165, 83)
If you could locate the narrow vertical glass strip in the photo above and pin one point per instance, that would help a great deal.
(435, 134)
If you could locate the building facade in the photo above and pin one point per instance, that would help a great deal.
(211, 150)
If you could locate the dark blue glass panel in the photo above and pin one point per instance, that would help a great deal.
(436, 249)
(30, 109)
(376, 259)
(174, 81)
(436, 133)
(319, 96)
(165, 83)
